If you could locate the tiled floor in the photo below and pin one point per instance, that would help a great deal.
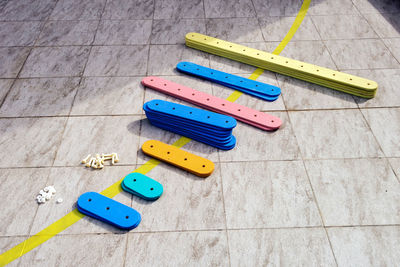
(324, 190)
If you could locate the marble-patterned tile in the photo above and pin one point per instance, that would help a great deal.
(228, 8)
(366, 246)
(5, 85)
(388, 94)
(159, 64)
(78, 10)
(149, 132)
(370, 54)
(19, 33)
(343, 27)
(276, 8)
(187, 203)
(20, 188)
(208, 248)
(275, 28)
(355, 191)
(3, 3)
(263, 145)
(167, 9)
(314, 52)
(79, 250)
(55, 61)
(117, 61)
(301, 95)
(232, 66)
(118, 134)
(251, 101)
(109, 96)
(7, 243)
(336, 7)
(235, 29)
(27, 10)
(333, 134)
(12, 59)
(377, 6)
(385, 125)
(30, 142)
(173, 31)
(123, 32)
(70, 183)
(40, 97)
(385, 25)
(68, 33)
(395, 163)
(129, 9)
(394, 46)
(268, 194)
(280, 247)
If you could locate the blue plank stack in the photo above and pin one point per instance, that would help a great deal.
(201, 125)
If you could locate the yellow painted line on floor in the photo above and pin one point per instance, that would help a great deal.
(74, 216)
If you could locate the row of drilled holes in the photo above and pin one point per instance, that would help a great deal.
(192, 112)
(333, 74)
(183, 159)
(108, 208)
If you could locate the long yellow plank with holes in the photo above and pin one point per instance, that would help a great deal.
(305, 71)
(180, 158)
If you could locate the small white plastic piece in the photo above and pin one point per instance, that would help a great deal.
(90, 162)
(59, 200)
(85, 160)
(115, 155)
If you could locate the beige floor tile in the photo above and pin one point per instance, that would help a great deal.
(343, 27)
(167, 9)
(30, 142)
(91, 135)
(280, 247)
(68, 33)
(123, 32)
(268, 194)
(70, 183)
(385, 126)
(228, 9)
(333, 134)
(82, 10)
(55, 61)
(301, 95)
(187, 203)
(385, 25)
(275, 29)
(12, 59)
(128, 9)
(159, 64)
(235, 29)
(27, 10)
(109, 96)
(178, 249)
(370, 54)
(117, 61)
(173, 31)
(19, 33)
(20, 187)
(5, 85)
(337, 7)
(257, 144)
(88, 250)
(355, 191)
(366, 246)
(276, 7)
(40, 97)
(394, 46)
(395, 162)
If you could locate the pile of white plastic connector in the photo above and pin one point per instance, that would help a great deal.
(97, 162)
(46, 194)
